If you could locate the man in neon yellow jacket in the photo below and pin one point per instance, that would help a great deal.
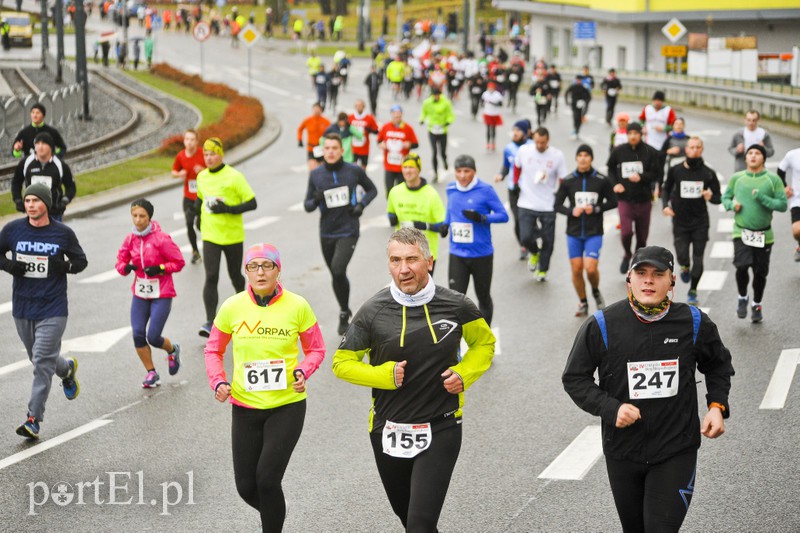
(412, 331)
(437, 111)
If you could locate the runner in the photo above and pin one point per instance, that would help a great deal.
(590, 195)
(520, 136)
(224, 194)
(751, 134)
(577, 97)
(417, 204)
(477, 86)
(416, 377)
(153, 257)
(366, 124)
(472, 206)
(611, 87)
(646, 349)
(540, 90)
(620, 135)
(674, 148)
(314, 126)
(657, 120)
(396, 139)
(24, 141)
(313, 63)
(347, 133)
(334, 82)
(753, 194)
(43, 252)
(553, 79)
(791, 163)
(332, 189)
(43, 166)
(632, 167)
(437, 111)
(694, 184)
(373, 82)
(267, 413)
(322, 82)
(188, 163)
(538, 168)
(516, 72)
(492, 102)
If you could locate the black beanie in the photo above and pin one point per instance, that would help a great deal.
(44, 137)
(146, 205)
(40, 107)
(585, 148)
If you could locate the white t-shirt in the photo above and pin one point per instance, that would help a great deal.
(655, 118)
(492, 102)
(791, 164)
(753, 137)
(540, 173)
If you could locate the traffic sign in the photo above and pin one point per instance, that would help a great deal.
(250, 35)
(675, 50)
(674, 30)
(583, 31)
(201, 31)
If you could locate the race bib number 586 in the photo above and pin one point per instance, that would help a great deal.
(653, 379)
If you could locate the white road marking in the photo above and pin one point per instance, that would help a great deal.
(5, 307)
(376, 222)
(712, 280)
(707, 133)
(578, 458)
(102, 277)
(454, 142)
(260, 222)
(772, 164)
(300, 169)
(722, 250)
(781, 382)
(725, 225)
(721, 208)
(52, 443)
(498, 350)
(297, 207)
(267, 87)
(13, 367)
(96, 342)
(706, 310)
(177, 215)
(178, 232)
(373, 167)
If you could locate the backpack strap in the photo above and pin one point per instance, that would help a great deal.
(601, 323)
(695, 322)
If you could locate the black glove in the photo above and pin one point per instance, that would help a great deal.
(62, 203)
(154, 270)
(58, 265)
(473, 215)
(319, 195)
(20, 205)
(516, 188)
(300, 143)
(357, 210)
(420, 225)
(443, 230)
(219, 208)
(16, 268)
(130, 267)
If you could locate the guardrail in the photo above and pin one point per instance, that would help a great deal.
(733, 96)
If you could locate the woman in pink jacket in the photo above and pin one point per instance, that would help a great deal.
(153, 257)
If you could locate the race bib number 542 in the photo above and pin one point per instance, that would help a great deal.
(653, 379)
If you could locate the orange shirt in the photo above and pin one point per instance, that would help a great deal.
(315, 127)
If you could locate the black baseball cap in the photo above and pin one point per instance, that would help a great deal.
(659, 257)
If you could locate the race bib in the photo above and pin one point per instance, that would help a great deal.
(580, 104)
(501, 79)
(477, 90)
(317, 151)
(47, 181)
(462, 232)
(406, 440)
(343, 72)
(456, 82)
(192, 186)
(756, 239)
(630, 168)
(355, 141)
(584, 198)
(337, 197)
(437, 129)
(147, 288)
(653, 379)
(554, 84)
(265, 375)
(321, 80)
(36, 266)
(691, 189)
(612, 92)
(513, 77)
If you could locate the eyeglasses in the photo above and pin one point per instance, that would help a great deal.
(253, 267)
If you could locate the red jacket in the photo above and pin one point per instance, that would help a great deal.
(155, 248)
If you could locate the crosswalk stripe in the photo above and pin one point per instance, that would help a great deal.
(722, 250)
(781, 382)
(712, 280)
(578, 458)
(725, 225)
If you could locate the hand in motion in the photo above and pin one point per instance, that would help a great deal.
(627, 414)
(399, 373)
(452, 382)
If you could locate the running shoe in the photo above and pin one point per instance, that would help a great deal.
(541, 276)
(174, 359)
(686, 275)
(741, 308)
(205, 330)
(598, 299)
(196, 257)
(691, 299)
(151, 380)
(344, 322)
(29, 429)
(583, 309)
(523, 253)
(70, 384)
(625, 265)
(797, 255)
(756, 314)
(533, 262)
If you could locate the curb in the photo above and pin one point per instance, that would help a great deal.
(88, 205)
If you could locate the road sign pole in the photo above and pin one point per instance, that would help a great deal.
(249, 77)
(202, 62)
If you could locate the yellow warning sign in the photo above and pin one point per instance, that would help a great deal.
(674, 30)
(675, 50)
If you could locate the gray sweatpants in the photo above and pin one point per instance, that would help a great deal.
(42, 340)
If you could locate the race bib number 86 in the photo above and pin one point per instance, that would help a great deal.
(653, 379)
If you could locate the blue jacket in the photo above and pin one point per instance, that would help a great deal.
(469, 238)
(509, 153)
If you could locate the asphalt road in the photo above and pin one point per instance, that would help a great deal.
(517, 417)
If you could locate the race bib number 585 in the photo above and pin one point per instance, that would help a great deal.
(653, 379)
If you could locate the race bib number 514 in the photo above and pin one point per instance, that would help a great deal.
(653, 379)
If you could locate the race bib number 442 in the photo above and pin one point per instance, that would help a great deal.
(406, 440)
(653, 379)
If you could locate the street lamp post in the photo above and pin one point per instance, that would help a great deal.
(80, 57)
(59, 12)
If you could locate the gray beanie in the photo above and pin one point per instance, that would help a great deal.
(42, 192)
